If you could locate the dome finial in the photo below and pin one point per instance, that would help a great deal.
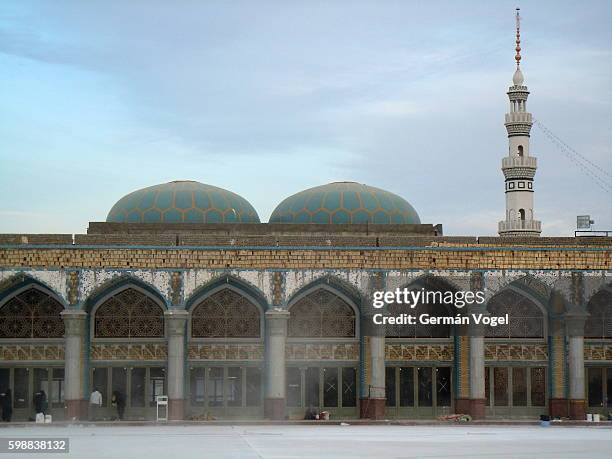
(518, 37)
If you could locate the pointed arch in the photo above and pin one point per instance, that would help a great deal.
(526, 311)
(226, 307)
(599, 308)
(334, 284)
(325, 308)
(30, 309)
(118, 284)
(128, 308)
(434, 287)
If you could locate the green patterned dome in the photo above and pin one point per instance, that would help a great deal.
(182, 201)
(345, 202)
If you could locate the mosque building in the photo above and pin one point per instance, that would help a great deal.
(183, 292)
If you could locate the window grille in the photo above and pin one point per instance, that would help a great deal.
(31, 314)
(321, 314)
(225, 314)
(129, 314)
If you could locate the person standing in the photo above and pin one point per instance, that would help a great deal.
(7, 405)
(40, 402)
(118, 402)
(44, 404)
(95, 402)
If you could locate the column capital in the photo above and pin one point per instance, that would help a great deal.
(74, 322)
(574, 321)
(175, 320)
(277, 314)
(276, 321)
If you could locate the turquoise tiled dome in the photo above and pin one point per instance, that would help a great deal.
(345, 202)
(182, 202)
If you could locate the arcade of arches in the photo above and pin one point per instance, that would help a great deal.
(227, 355)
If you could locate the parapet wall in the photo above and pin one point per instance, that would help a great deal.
(441, 257)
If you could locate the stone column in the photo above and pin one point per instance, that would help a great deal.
(175, 323)
(276, 336)
(372, 404)
(477, 365)
(75, 364)
(462, 363)
(575, 332)
(557, 402)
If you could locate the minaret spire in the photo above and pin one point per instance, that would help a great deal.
(518, 38)
(519, 167)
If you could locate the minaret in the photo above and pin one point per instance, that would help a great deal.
(519, 167)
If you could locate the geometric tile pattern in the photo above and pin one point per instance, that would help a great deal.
(149, 351)
(598, 352)
(225, 352)
(419, 352)
(225, 314)
(321, 314)
(182, 202)
(347, 351)
(129, 314)
(516, 352)
(345, 202)
(24, 352)
(31, 314)
(525, 318)
(599, 322)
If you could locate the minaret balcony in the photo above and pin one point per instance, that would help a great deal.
(518, 117)
(520, 226)
(518, 129)
(528, 162)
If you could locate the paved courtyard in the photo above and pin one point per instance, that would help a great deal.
(325, 441)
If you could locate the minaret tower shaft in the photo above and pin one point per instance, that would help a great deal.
(519, 167)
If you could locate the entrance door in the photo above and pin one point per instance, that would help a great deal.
(332, 389)
(225, 392)
(418, 392)
(25, 382)
(599, 390)
(515, 391)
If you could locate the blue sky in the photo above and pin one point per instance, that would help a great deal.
(267, 98)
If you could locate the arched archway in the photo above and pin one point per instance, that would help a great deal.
(31, 311)
(128, 312)
(322, 312)
(225, 312)
(526, 315)
(433, 290)
(599, 322)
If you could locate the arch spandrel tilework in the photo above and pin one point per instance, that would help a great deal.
(226, 314)
(599, 322)
(526, 320)
(321, 314)
(129, 314)
(31, 314)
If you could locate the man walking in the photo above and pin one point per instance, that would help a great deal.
(95, 402)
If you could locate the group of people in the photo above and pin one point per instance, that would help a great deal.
(41, 404)
(95, 404)
(6, 404)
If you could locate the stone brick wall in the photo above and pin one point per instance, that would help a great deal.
(442, 257)
(35, 239)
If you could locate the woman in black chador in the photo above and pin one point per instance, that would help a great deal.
(7, 405)
(40, 402)
(118, 401)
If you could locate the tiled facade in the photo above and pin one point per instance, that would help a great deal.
(560, 275)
